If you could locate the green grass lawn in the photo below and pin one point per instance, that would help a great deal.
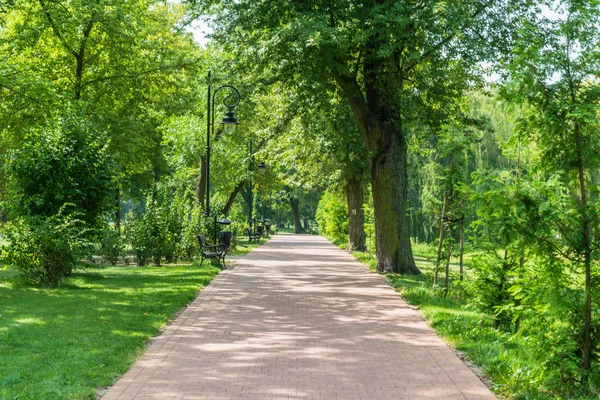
(244, 247)
(65, 343)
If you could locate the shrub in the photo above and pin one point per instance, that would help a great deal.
(192, 224)
(111, 246)
(369, 213)
(139, 237)
(332, 215)
(45, 249)
(64, 162)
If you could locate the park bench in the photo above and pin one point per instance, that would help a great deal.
(254, 235)
(216, 251)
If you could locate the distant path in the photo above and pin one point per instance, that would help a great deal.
(298, 319)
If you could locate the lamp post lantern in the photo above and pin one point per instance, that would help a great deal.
(262, 167)
(229, 123)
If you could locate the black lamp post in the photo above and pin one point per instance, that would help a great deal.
(229, 123)
(262, 167)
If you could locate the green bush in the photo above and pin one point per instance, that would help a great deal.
(163, 231)
(139, 236)
(369, 213)
(332, 215)
(111, 245)
(64, 162)
(45, 249)
(187, 247)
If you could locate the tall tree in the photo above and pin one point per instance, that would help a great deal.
(554, 77)
(129, 64)
(395, 62)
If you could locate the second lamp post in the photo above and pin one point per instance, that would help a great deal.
(229, 123)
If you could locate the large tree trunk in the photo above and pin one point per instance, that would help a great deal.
(356, 216)
(381, 129)
(296, 215)
(389, 181)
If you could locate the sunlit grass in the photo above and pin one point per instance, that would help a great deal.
(65, 343)
(244, 247)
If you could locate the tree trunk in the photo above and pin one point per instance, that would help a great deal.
(305, 224)
(232, 197)
(389, 181)
(440, 241)
(462, 246)
(356, 216)
(448, 216)
(118, 209)
(296, 215)
(448, 255)
(201, 183)
(381, 129)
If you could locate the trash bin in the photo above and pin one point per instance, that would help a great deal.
(225, 238)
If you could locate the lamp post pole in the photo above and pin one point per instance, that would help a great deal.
(208, 126)
(251, 189)
(229, 123)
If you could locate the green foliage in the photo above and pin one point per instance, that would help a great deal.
(64, 162)
(369, 211)
(45, 249)
(192, 227)
(111, 245)
(332, 215)
(552, 78)
(147, 233)
(168, 226)
(506, 209)
(128, 65)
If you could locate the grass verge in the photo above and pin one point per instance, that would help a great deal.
(244, 247)
(64, 343)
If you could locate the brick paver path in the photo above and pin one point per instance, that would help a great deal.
(298, 319)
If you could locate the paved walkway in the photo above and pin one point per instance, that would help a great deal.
(298, 319)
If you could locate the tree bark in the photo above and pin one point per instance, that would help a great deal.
(448, 215)
(201, 183)
(385, 141)
(232, 197)
(440, 241)
(448, 255)
(294, 202)
(305, 225)
(356, 216)
(118, 209)
(389, 180)
(462, 247)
